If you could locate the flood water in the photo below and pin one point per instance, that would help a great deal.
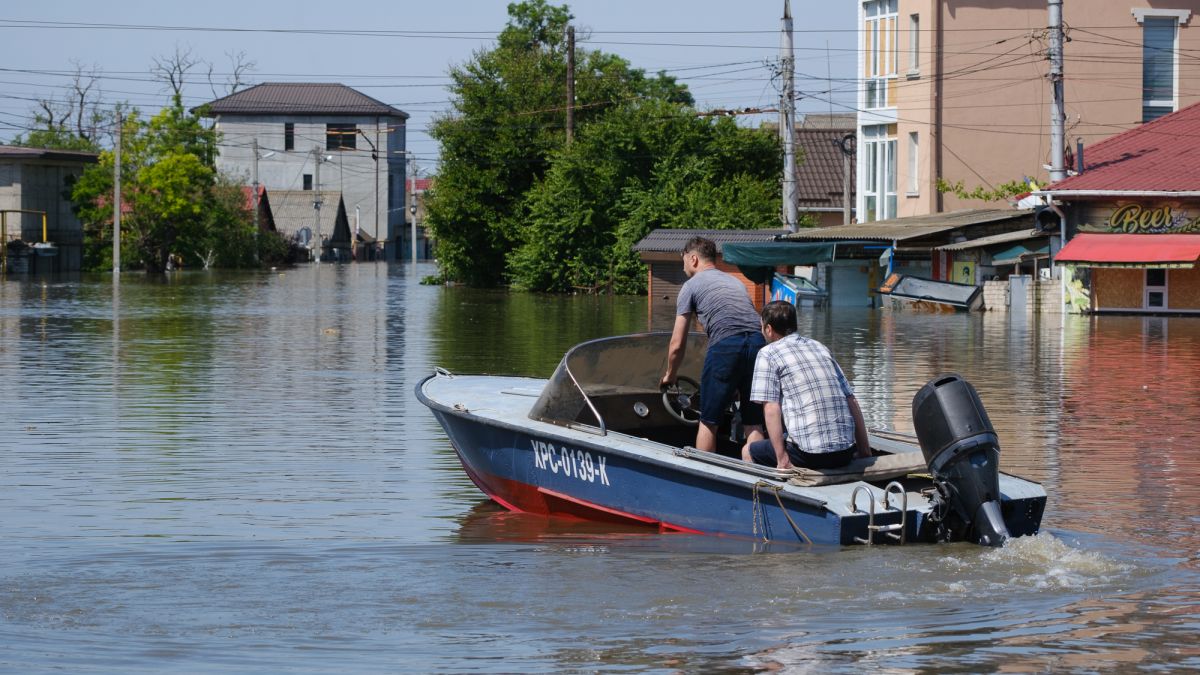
(230, 473)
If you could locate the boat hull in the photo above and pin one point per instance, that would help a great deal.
(530, 466)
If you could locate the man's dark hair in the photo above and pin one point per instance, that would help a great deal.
(780, 315)
(705, 248)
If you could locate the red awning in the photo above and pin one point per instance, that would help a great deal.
(1131, 250)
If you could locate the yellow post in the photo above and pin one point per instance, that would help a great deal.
(43, 227)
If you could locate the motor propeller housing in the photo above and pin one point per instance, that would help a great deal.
(963, 454)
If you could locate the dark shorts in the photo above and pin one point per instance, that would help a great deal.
(763, 453)
(728, 372)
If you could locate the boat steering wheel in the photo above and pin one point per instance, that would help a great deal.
(682, 400)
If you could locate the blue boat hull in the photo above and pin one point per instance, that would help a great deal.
(529, 466)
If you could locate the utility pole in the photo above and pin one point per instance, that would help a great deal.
(848, 145)
(787, 122)
(375, 156)
(412, 207)
(117, 199)
(254, 199)
(317, 199)
(1058, 169)
(570, 84)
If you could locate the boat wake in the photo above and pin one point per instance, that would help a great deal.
(1045, 562)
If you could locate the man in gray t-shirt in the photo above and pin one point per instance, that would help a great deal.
(723, 306)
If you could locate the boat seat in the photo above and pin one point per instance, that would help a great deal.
(870, 469)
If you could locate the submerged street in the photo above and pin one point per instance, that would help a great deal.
(230, 472)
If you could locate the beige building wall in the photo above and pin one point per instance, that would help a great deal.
(973, 88)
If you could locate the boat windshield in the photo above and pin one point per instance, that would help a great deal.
(608, 368)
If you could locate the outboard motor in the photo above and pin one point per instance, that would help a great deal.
(963, 454)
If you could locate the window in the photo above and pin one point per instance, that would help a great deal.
(1156, 288)
(340, 136)
(1158, 66)
(289, 136)
(914, 182)
(880, 36)
(307, 181)
(914, 45)
(879, 173)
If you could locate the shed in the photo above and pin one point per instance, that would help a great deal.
(662, 252)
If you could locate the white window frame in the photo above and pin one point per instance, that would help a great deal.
(1181, 17)
(879, 173)
(914, 176)
(880, 23)
(914, 46)
(1148, 289)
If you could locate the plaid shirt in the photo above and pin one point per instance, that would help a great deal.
(802, 376)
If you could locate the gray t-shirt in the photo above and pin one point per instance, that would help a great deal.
(721, 303)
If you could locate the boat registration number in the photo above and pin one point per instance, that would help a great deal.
(570, 462)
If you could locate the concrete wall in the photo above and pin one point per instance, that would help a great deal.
(362, 180)
(40, 185)
(1043, 296)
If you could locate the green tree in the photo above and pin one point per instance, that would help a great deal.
(642, 166)
(173, 202)
(508, 120)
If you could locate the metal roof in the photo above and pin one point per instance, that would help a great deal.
(913, 227)
(672, 240)
(21, 152)
(1019, 235)
(293, 209)
(300, 98)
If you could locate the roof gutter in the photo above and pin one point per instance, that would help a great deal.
(1163, 194)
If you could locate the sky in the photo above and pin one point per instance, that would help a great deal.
(399, 51)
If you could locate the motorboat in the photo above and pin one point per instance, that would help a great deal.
(601, 440)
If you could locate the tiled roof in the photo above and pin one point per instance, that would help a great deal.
(20, 152)
(819, 173)
(300, 98)
(669, 240)
(1159, 156)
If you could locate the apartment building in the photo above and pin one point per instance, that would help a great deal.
(958, 90)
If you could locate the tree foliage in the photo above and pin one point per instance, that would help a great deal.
(174, 205)
(999, 193)
(650, 164)
(507, 125)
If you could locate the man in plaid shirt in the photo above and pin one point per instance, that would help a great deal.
(812, 417)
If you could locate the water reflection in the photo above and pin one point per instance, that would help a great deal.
(230, 471)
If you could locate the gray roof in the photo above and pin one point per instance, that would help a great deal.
(670, 240)
(293, 209)
(20, 152)
(913, 227)
(1005, 238)
(838, 121)
(300, 98)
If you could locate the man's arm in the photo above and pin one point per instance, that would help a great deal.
(677, 349)
(773, 415)
(861, 443)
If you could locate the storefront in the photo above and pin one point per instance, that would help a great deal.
(1154, 273)
(1133, 214)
